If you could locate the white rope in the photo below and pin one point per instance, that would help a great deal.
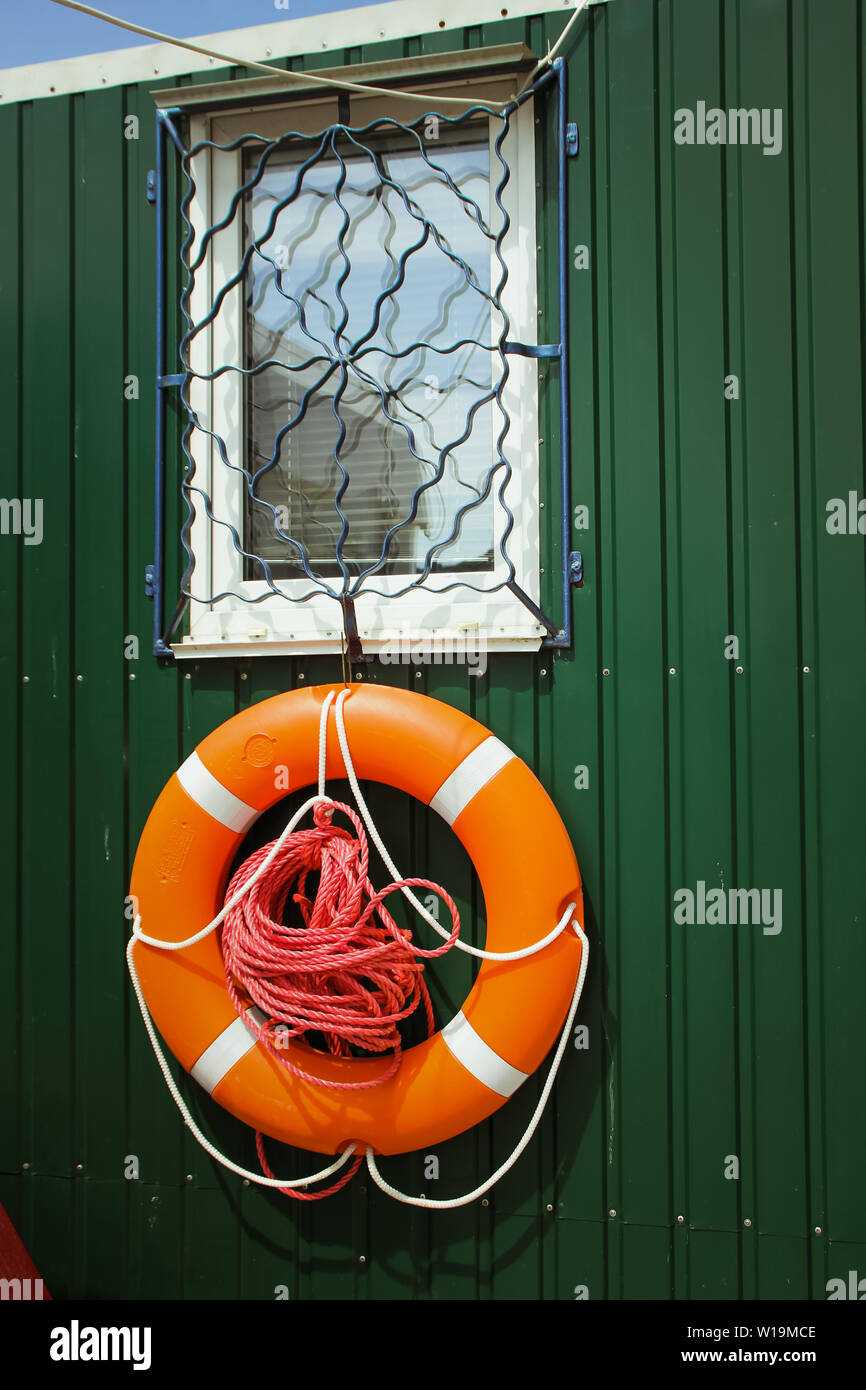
(578, 11)
(266, 862)
(190, 1122)
(551, 52)
(291, 77)
(161, 945)
(449, 1202)
(323, 743)
(139, 935)
(397, 876)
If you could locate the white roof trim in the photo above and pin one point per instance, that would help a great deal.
(286, 38)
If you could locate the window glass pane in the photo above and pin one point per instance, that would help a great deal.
(339, 246)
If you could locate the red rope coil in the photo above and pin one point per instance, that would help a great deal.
(349, 972)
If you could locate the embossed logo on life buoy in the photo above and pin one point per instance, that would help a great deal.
(259, 750)
(175, 850)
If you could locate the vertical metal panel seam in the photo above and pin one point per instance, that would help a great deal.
(664, 596)
(813, 875)
(608, 862)
(677, 1098)
(741, 769)
(594, 41)
(804, 578)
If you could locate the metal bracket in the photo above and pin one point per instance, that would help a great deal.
(533, 349)
(575, 569)
(538, 614)
(149, 580)
(572, 139)
(150, 187)
(174, 379)
(355, 652)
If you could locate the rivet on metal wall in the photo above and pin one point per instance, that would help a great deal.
(739, 670)
(244, 676)
(817, 1230)
(806, 670)
(747, 1222)
(189, 1177)
(362, 1259)
(549, 1207)
(680, 1220)
(612, 1212)
(606, 671)
(672, 671)
(484, 1202)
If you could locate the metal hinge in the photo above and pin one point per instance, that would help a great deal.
(148, 580)
(150, 186)
(572, 139)
(575, 568)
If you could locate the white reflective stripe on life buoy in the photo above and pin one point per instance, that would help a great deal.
(227, 1048)
(468, 777)
(213, 797)
(479, 1059)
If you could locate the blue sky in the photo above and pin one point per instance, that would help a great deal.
(35, 31)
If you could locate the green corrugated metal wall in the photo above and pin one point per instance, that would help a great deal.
(706, 518)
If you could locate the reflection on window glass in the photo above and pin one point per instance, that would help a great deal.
(376, 348)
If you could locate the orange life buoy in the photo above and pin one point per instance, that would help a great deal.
(528, 875)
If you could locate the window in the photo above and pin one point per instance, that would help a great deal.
(354, 412)
(402, 401)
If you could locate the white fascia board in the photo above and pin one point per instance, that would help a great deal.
(262, 43)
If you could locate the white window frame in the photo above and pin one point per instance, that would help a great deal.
(275, 626)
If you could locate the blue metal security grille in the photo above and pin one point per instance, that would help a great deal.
(375, 358)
